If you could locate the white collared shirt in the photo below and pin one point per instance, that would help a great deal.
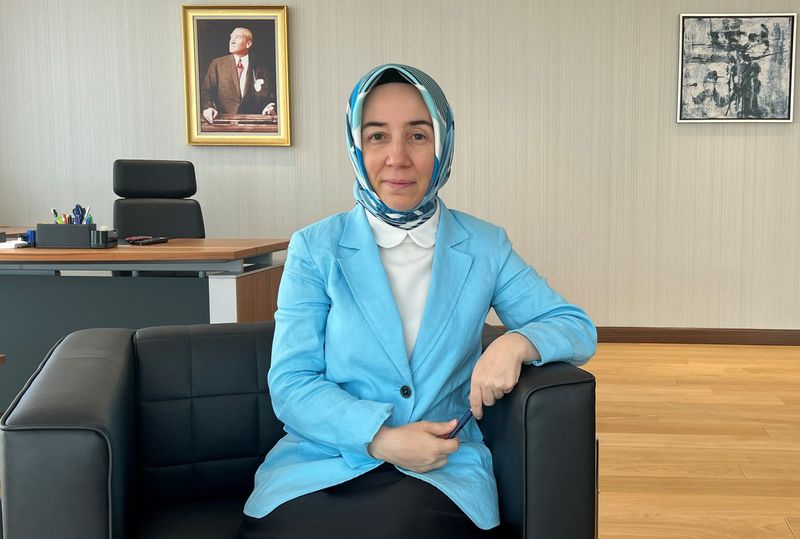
(245, 62)
(407, 257)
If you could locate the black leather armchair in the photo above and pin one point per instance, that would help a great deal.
(157, 433)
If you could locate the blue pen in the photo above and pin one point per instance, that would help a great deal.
(460, 425)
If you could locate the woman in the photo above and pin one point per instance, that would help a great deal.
(377, 343)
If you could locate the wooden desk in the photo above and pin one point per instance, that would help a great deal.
(49, 293)
(204, 252)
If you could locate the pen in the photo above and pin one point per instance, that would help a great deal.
(461, 422)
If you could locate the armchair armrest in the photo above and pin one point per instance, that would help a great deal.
(66, 440)
(542, 437)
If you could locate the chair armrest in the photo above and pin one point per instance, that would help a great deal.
(66, 440)
(542, 438)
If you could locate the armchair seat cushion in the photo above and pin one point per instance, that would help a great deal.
(207, 519)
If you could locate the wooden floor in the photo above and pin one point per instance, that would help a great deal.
(698, 441)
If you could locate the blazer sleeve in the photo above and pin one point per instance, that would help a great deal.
(526, 304)
(310, 406)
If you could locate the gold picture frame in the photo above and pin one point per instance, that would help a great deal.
(236, 75)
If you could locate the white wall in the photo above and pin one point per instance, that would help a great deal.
(565, 135)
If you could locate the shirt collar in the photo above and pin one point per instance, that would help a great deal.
(244, 58)
(388, 236)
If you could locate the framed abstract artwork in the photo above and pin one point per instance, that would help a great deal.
(235, 62)
(736, 68)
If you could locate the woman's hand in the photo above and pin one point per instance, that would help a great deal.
(419, 447)
(497, 370)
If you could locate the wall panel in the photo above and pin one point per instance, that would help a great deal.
(566, 136)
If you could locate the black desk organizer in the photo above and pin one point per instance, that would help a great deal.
(64, 236)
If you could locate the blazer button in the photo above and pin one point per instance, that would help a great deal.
(405, 392)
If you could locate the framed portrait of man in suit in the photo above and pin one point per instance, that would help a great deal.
(236, 75)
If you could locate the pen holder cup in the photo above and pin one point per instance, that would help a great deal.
(64, 236)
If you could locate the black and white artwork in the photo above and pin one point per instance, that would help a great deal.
(736, 68)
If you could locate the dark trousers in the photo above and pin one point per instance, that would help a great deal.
(381, 504)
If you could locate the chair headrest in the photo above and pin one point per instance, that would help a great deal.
(146, 178)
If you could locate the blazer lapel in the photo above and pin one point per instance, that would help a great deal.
(363, 270)
(448, 276)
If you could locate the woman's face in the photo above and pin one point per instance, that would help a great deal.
(397, 143)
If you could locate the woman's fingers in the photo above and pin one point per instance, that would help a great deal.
(439, 429)
(495, 374)
(485, 395)
(476, 400)
(415, 446)
(488, 397)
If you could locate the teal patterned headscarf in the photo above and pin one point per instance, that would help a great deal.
(444, 133)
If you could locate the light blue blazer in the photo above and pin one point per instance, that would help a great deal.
(338, 358)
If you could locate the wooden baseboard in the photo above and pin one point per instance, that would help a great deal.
(781, 337)
(776, 337)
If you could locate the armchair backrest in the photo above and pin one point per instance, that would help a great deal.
(199, 397)
(155, 199)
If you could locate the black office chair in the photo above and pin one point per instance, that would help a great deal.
(155, 199)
